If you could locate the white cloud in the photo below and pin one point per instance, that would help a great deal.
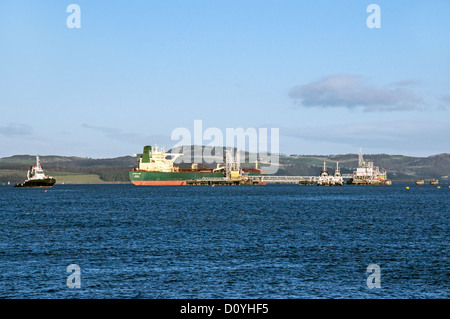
(446, 101)
(352, 91)
(15, 129)
(413, 137)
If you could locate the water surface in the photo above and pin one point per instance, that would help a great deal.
(273, 241)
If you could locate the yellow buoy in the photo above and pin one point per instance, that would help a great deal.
(439, 186)
(407, 187)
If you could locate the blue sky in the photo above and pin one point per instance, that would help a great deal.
(137, 70)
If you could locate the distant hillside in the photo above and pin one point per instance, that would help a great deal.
(68, 169)
(107, 170)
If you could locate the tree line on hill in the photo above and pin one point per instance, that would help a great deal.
(399, 167)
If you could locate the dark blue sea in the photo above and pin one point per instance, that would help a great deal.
(273, 241)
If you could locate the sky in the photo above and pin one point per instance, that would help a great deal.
(136, 71)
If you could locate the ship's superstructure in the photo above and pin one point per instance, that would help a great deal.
(36, 177)
(155, 160)
(368, 174)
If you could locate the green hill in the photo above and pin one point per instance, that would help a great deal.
(68, 169)
(114, 170)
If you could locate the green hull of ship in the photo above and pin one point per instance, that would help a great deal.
(175, 176)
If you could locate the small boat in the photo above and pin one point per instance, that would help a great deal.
(420, 182)
(36, 177)
(434, 182)
(337, 179)
(324, 177)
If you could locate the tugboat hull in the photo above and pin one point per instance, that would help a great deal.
(47, 182)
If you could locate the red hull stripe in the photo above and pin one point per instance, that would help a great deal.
(140, 183)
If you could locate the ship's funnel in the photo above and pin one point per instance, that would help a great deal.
(146, 155)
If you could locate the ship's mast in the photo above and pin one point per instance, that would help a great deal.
(228, 163)
(237, 161)
(361, 159)
(337, 172)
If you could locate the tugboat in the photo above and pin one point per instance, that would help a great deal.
(324, 177)
(337, 179)
(36, 177)
(434, 182)
(420, 182)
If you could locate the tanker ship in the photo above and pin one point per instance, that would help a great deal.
(156, 167)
